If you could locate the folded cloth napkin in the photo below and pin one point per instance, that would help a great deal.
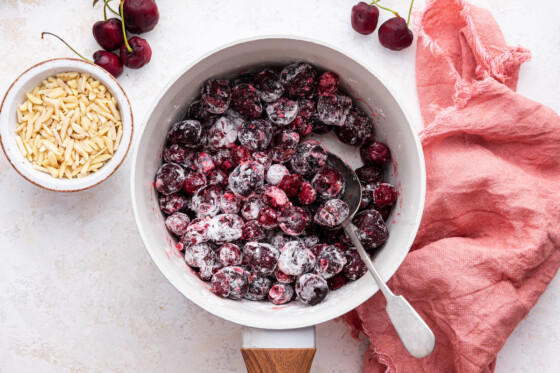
(489, 240)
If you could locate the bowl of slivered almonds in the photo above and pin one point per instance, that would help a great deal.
(65, 125)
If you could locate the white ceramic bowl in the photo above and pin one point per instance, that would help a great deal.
(15, 96)
(373, 97)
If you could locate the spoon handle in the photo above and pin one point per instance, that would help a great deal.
(414, 333)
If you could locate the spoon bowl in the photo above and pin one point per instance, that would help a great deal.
(353, 190)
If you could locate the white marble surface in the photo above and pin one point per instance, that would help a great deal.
(78, 292)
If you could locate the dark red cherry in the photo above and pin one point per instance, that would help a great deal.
(395, 34)
(108, 34)
(109, 61)
(364, 18)
(140, 15)
(140, 55)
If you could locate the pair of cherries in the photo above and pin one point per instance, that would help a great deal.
(138, 16)
(393, 33)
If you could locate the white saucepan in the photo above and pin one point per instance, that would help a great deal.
(281, 338)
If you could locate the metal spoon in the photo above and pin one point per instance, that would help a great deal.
(412, 330)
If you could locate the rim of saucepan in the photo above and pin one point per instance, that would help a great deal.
(324, 315)
(93, 178)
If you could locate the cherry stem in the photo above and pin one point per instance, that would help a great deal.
(105, 10)
(68, 45)
(111, 9)
(409, 11)
(123, 29)
(375, 2)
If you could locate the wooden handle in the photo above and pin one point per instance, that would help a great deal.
(278, 360)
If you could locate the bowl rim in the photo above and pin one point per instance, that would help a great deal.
(320, 317)
(129, 139)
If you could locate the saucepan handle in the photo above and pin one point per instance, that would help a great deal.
(278, 351)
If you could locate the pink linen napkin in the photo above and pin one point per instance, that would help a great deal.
(489, 241)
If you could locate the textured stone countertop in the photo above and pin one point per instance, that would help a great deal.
(78, 291)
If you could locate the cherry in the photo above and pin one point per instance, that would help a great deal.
(172, 203)
(311, 289)
(284, 144)
(104, 59)
(245, 101)
(109, 61)
(328, 82)
(294, 220)
(318, 127)
(135, 52)
(230, 255)
(355, 266)
(385, 195)
(375, 153)
(336, 282)
(229, 203)
(175, 153)
(203, 257)
(276, 173)
(369, 174)
(193, 182)
(332, 213)
(291, 184)
(218, 177)
(299, 80)
(251, 208)
(329, 183)
(268, 85)
(356, 129)
(198, 112)
(364, 18)
(262, 257)
(310, 240)
(267, 218)
(206, 200)
(330, 261)
(197, 232)
(283, 277)
(280, 293)
(295, 259)
(204, 163)
(170, 178)
(230, 282)
(308, 157)
(246, 178)
(177, 223)
(187, 133)
(258, 288)
(140, 15)
(372, 231)
(252, 231)
(226, 228)
(240, 153)
(108, 34)
(274, 196)
(307, 194)
(279, 239)
(216, 96)
(395, 34)
(367, 195)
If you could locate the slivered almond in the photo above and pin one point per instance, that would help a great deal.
(20, 146)
(33, 99)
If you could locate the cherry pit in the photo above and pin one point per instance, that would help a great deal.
(139, 16)
(254, 202)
